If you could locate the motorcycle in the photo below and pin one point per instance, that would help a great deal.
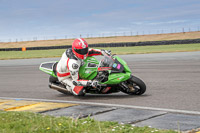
(111, 72)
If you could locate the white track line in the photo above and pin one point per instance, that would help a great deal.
(112, 105)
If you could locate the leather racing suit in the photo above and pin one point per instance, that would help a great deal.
(68, 68)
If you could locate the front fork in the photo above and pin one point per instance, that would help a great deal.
(124, 86)
(127, 86)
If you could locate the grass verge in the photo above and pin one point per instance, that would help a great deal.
(24, 122)
(115, 50)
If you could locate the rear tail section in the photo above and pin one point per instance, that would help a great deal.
(49, 68)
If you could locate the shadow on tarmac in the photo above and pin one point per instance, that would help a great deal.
(103, 96)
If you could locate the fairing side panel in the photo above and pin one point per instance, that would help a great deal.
(86, 72)
(126, 68)
(47, 67)
(117, 78)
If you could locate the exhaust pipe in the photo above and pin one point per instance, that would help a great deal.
(58, 88)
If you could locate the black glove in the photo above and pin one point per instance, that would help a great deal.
(79, 83)
(75, 83)
(94, 84)
(86, 83)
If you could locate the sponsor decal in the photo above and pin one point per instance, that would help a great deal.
(120, 78)
(114, 65)
(74, 66)
(118, 66)
(104, 68)
(88, 71)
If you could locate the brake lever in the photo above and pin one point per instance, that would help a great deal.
(113, 55)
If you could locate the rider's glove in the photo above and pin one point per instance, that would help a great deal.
(93, 83)
(86, 83)
(80, 83)
(75, 83)
(106, 52)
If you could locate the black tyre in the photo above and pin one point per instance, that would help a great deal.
(137, 85)
(53, 79)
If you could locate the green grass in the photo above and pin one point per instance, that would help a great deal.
(157, 49)
(115, 50)
(25, 122)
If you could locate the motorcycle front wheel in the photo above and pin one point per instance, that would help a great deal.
(136, 86)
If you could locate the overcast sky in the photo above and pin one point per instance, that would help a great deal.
(29, 18)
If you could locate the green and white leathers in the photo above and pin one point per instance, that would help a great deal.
(112, 74)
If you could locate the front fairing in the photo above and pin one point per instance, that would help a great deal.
(117, 68)
(116, 78)
(123, 63)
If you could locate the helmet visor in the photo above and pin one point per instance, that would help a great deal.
(83, 51)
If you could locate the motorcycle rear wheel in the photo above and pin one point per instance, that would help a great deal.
(137, 84)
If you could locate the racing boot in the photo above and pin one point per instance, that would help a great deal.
(78, 91)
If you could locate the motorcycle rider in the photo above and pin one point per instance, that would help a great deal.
(69, 64)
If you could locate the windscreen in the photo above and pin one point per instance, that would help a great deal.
(107, 61)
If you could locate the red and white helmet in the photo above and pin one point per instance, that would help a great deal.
(80, 48)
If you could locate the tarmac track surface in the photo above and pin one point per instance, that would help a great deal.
(172, 79)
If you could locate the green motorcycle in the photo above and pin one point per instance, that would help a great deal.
(111, 72)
